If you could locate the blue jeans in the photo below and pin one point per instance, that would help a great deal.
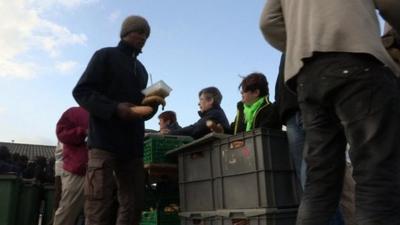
(296, 138)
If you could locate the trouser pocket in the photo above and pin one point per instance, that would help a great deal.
(95, 183)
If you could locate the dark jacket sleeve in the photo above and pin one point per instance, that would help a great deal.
(187, 131)
(231, 129)
(285, 99)
(69, 131)
(90, 88)
(196, 130)
(199, 129)
(271, 119)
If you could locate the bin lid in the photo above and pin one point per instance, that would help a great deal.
(8, 176)
(205, 139)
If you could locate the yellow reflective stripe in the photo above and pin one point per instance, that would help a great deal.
(255, 117)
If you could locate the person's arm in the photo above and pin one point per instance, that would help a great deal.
(69, 131)
(90, 89)
(390, 11)
(272, 24)
(149, 116)
(185, 131)
(271, 120)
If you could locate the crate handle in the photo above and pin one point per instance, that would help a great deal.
(196, 155)
(240, 222)
(236, 144)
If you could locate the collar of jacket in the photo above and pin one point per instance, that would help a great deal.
(127, 49)
(202, 114)
(240, 105)
(173, 126)
(240, 113)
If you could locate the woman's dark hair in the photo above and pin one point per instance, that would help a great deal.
(212, 93)
(168, 115)
(253, 82)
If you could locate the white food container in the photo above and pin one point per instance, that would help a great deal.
(159, 88)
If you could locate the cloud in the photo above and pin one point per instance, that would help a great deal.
(23, 31)
(74, 3)
(66, 67)
(44, 5)
(23, 70)
(2, 110)
(114, 15)
(50, 36)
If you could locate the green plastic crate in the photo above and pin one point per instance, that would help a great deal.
(159, 217)
(9, 193)
(155, 147)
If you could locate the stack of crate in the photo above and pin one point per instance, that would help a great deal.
(247, 178)
(162, 194)
(155, 147)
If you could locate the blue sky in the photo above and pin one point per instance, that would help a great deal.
(46, 45)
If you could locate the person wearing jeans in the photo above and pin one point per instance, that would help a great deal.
(366, 113)
(348, 93)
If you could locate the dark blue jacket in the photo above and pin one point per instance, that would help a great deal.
(113, 75)
(7, 167)
(173, 126)
(199, 129)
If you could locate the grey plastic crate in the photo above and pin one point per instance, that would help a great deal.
(254, 171)
(257, 190)
(254, 217)
(246, 171)
(196, 178)
(196, 184)
(260, 149)
(195, 163)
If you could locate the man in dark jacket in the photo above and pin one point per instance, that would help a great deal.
(110, 90)
(210, 110)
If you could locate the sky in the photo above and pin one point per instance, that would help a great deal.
(45, 46)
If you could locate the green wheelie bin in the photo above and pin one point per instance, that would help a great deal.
(48, 195)
(29, 203)
(9, 193)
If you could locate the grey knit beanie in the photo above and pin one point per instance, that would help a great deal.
(133, 23)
